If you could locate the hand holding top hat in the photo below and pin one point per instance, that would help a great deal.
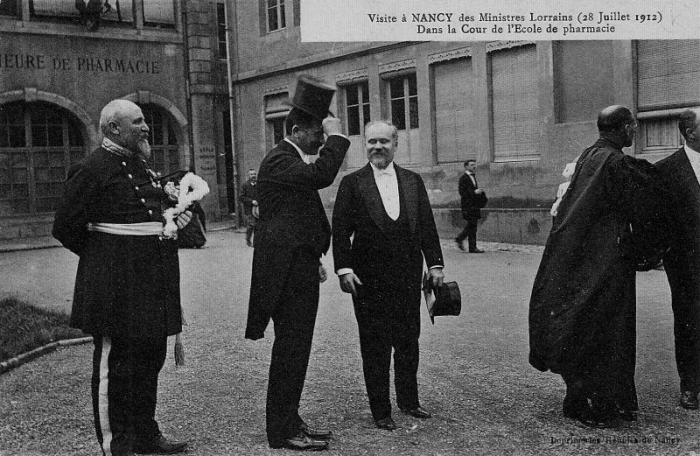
(441, 300)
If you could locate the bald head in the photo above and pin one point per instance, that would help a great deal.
(617, 122)
(113, 111)
(122, 122)
(614, 118)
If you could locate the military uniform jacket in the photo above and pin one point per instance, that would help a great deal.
(291, 217)
(125, 285)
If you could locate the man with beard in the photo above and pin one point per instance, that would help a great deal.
(127, 290)
(292, 234)
(582, 309)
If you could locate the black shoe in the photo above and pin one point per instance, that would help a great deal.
(387, 423)
(318, 434)
(476, 251)
(460, 246)
(301, 442)
(159, 445)
(418, 412)
(689, 400)
(592, 419)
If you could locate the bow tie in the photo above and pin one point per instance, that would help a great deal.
(384, 172)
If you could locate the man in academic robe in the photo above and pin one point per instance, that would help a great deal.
(681, 172)
(383, 228)
(291, 236)
(582, 309)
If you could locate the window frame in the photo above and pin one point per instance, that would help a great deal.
(280, 15)
(361, 105)
(406, 97)
(73, 148)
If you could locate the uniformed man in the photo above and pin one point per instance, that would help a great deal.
(127, 290)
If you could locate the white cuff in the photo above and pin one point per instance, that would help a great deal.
(343, 271)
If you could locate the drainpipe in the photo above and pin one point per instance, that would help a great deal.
(231, 106)
(186, 69)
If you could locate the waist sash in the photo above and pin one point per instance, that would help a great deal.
(128, 229)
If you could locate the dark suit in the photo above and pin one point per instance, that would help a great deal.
(387, 257)
(472, 203)
(249, 193)
(682, 264)
(292, 234)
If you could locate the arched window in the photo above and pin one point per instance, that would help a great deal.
(38, 144)
(165, 154)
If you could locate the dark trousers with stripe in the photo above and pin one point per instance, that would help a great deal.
(124, 390)
(294, 318)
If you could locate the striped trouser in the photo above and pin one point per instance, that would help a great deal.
(124, 390)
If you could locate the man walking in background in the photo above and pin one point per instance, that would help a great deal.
(473, 199)
(249, 199)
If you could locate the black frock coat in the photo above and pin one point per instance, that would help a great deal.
(391, 274)
(291, 216)
(125, 285)
(682, 264)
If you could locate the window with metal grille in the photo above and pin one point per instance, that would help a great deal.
(276, 19)
(403, 94)
(221, 29)
(357, 107)
(165, 153)
(39, 142)
(120, 11)
(515, 106)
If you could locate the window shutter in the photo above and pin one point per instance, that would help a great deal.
(456, 129)
(668, 73)
(515, 104)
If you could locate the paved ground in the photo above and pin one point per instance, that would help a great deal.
(474, 374)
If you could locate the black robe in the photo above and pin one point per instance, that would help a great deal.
(582, 308)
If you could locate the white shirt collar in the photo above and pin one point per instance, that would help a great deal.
(689, 150)
(304, 156)
(389, 170)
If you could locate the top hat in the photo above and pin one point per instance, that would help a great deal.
(443, 300)
(313, 96)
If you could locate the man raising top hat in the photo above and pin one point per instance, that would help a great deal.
(292, 234)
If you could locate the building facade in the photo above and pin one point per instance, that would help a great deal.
(213, 78)
(522, 110)
(59, 67)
